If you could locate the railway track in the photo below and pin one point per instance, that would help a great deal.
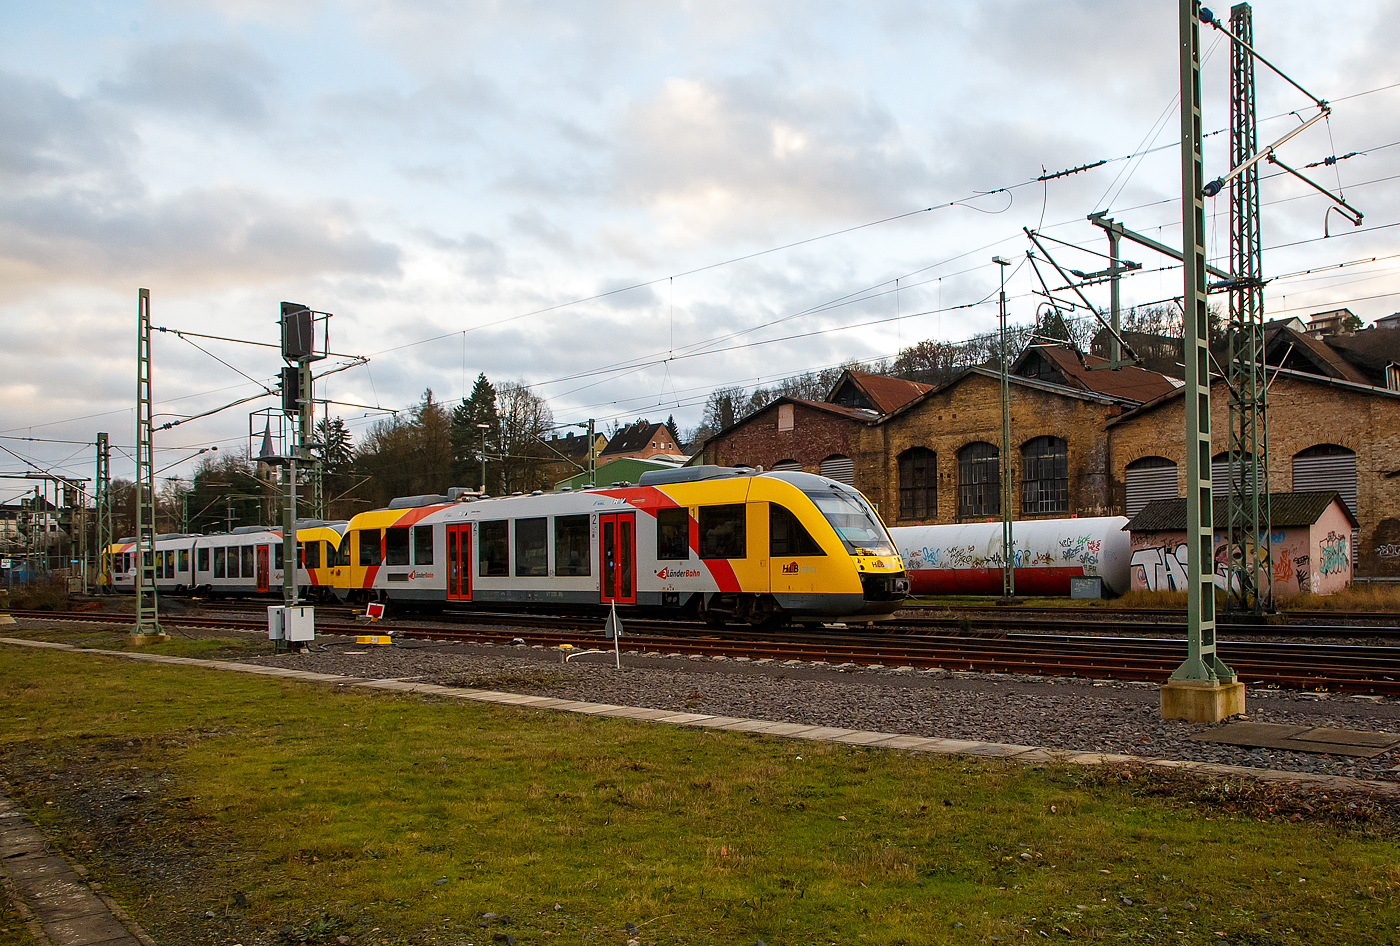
(1315, 667)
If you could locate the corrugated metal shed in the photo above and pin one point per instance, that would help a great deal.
(1288, 510)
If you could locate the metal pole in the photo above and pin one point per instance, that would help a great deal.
(1008, 544)
(104, 507)
(592, 455)
(147, 601)
(1115, 311)
(1202, 665)
(289, 534)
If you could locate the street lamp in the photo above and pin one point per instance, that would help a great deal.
(592, 451)
(1008, 545)
(483, 428)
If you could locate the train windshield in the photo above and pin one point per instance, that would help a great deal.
(855, 522)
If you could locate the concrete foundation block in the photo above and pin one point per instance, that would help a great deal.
(1204, 702)
(141, 640)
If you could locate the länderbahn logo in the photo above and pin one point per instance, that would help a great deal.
(669, 572)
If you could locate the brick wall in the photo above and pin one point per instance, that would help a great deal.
(816, 434)
(948, 420)
(1302, 414)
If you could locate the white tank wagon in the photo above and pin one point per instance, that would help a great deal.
(965, 558)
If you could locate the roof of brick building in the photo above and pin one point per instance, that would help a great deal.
(639, 436)
(877, 392)
(1301, 508)
(1081, 370)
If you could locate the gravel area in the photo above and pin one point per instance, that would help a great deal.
(1057, 713)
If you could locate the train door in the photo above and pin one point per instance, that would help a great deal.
(262, 570)
(617, 538)
(459, 558)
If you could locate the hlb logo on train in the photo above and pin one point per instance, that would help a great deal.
(792, 568)
(669, 572)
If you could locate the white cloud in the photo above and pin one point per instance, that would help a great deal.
(714, 158)
(220, 82)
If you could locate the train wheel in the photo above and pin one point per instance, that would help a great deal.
(763, 613)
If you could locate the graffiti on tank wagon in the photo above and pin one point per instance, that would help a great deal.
(1335, 559)
(963, 557)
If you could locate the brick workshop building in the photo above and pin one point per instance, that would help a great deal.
(1091, 442)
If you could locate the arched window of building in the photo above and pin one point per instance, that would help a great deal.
(782, 465)
(1044, 475)
(1328, 466)
(1220, 475)
(918, 484)
(979, 481)
(839, 468)
(1148, 479)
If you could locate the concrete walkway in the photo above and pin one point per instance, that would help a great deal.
(61, 906)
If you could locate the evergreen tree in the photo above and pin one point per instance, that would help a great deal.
(470, 442)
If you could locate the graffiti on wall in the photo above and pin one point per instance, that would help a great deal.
(1388, 551)
(1160, 569)
(1302, 565)
(1335, 556)
(1287, 563)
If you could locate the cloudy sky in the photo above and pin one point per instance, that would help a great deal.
(624, 204)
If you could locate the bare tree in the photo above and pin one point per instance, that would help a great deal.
(525, 417)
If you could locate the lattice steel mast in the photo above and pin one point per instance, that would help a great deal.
(147, 602)
(1247, 505)
(1202, 665)
(104, 508)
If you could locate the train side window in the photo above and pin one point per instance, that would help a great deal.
(531, 537)
(219, 554)
(370, 547)
(277, 555)
(422, 545)
(184, 560)
(396, 546)
(571, 545)
(723, 531)
(311, 555)
(787, 536)
(201, 559)
(342, 554)
(492, 545)
(672, 535)
(247, 557)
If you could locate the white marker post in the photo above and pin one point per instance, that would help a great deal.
(613, 630)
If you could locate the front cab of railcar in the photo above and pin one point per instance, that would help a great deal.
(857, 573)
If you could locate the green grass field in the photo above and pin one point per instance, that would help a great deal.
(221, 808)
